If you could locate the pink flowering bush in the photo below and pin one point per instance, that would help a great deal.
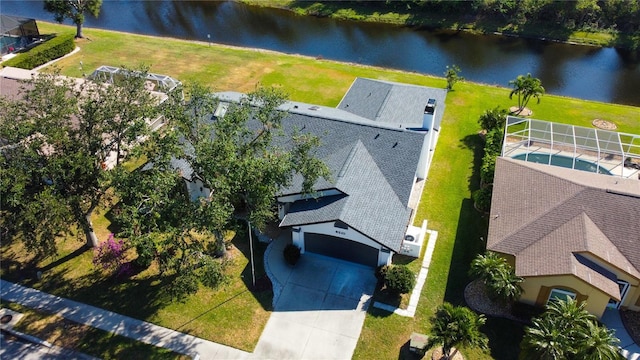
(110, 255)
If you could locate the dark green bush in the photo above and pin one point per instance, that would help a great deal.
(212, 273)
(291, 254)
(399, 279)
(146, 249)
(493, 119)
(43, 53)
(482, 198)
(492, 149)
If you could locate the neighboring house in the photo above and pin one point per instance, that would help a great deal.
(16, 33)
(12, 84)
(378, 144)
(568, 233)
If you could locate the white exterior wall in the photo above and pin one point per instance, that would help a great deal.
(298, 232)
(425, 157)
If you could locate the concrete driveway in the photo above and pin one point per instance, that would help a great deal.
(320, 311)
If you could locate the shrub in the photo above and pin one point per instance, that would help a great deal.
(482, 199)
(183, 285)
(110, 254)
(211, 273)
(492, 149)
(493, 119)
(291, 254)
(399, 279)
(43, 53)
(146, 249)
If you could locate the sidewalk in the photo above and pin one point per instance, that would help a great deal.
(612, 320)
(119, 324)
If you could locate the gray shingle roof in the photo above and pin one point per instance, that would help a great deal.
(551, 218)
(392, 103)
(370, 205)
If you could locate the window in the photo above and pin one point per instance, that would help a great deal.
(624, 287)
(557, 294)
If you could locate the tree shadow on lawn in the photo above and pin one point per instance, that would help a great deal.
(137, 298)
(262, 291)
(471, 231)
(468, 243)
(476, 144)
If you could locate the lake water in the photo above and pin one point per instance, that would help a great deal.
(601, 74)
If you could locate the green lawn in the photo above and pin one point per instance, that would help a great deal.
(445, 204)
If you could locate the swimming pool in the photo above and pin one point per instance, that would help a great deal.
(563, 161)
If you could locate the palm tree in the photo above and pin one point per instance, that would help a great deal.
(454, 326)
(546, 340)
(498, 276)
(598, 343)
(567, 331)
(526, 87)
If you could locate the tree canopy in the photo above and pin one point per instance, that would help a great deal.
(498, 276)
(241, 156)
(526, 87)
(74, 10)
(56, 141)
(567, 331)
(453, 326)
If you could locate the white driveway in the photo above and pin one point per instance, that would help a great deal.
(320, 313)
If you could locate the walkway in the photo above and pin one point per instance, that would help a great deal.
(118, 324)
(422, 277)
(612, 320)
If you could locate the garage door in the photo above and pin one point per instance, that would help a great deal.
(341, 248)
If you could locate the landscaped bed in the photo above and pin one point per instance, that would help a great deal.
(236, 316)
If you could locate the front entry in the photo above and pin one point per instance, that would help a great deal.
(341, 248)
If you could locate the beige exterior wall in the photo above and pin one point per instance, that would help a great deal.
(537, 289)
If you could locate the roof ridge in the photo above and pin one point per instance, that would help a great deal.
(537, 218)
(349, 158)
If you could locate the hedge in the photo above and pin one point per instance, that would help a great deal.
(43, 53)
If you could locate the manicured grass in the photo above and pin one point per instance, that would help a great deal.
(85, 339)
(446, 201)
(241, 313)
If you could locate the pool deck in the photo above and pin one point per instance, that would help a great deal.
(615, 167)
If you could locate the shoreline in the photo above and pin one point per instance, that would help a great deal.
(463, 28)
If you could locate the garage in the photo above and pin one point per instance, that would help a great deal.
(341, 248)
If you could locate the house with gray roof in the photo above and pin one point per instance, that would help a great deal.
(568, 233)
(378, 147)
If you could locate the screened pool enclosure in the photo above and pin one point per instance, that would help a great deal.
(155, 82)
(17, 33)
(575, 147)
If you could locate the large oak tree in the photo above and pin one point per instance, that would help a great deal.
(244, 157)
(56, 139)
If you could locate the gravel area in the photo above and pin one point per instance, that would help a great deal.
(477, 299)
